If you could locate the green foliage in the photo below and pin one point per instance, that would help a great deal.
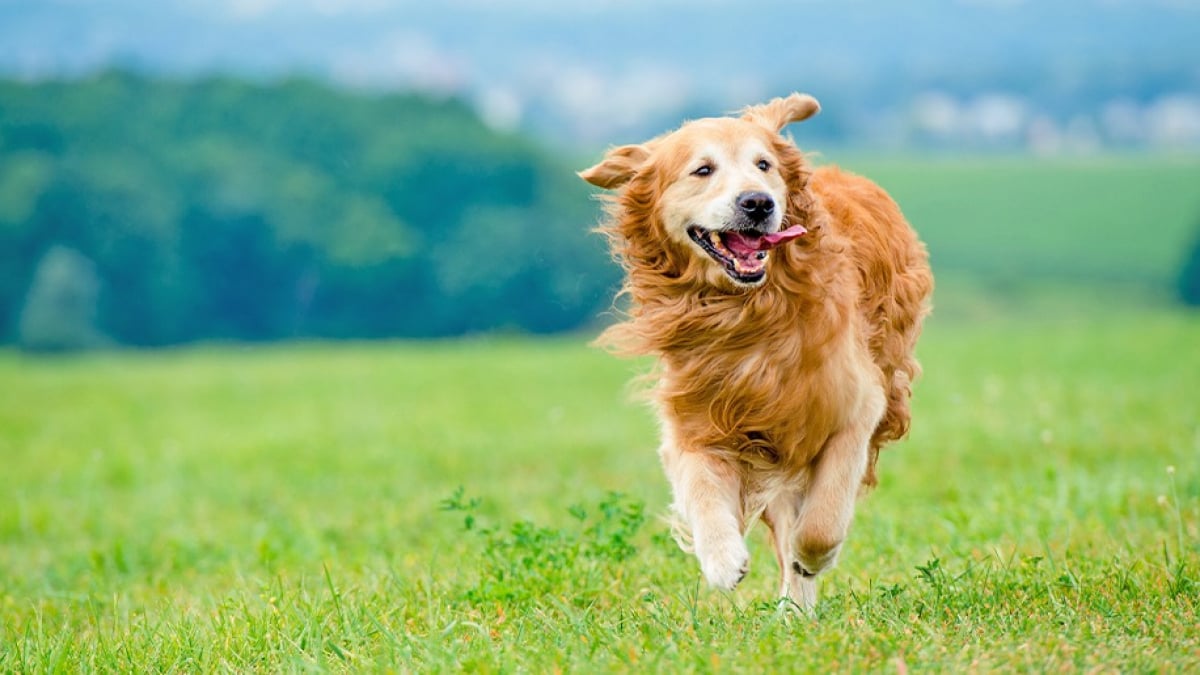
(223, 209)
(60, 312)
(528, 563)
(299, 508)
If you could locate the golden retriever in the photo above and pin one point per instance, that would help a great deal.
(783, 303)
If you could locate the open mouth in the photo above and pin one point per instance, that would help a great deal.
(743, 253)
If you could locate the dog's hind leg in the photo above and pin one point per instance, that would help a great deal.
(708, 512)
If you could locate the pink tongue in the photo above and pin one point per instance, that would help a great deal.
(773, 240)
(743, 245)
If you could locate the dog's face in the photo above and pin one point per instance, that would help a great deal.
(723, 193)
(719, 187)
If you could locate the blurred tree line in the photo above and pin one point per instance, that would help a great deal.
(1188, 284)
(151, 212)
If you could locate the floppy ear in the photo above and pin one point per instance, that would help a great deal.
(781, 112)
(617, 167)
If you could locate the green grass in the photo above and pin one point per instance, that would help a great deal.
(451, 506)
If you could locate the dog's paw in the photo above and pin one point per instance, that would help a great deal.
(724, 562)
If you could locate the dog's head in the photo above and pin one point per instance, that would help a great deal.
(716, 195)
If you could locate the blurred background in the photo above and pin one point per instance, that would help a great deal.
(178, 171)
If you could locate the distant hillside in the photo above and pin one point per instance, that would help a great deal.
(166, 211)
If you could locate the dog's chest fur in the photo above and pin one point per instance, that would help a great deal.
(775, 399)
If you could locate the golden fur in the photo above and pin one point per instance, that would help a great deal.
(775, 396)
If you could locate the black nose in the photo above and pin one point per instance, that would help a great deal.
(756, 205)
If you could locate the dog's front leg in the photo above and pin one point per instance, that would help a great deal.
(708, 512)
(828, 504)
(808, 528)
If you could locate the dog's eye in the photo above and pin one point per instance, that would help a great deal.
(764, 165)
(703, 171)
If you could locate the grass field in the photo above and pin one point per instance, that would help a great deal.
(1126, 220)
(493, 505)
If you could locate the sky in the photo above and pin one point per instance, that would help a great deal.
(588, 71)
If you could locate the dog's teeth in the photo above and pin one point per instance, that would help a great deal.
(714, 237)
(745, 266)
